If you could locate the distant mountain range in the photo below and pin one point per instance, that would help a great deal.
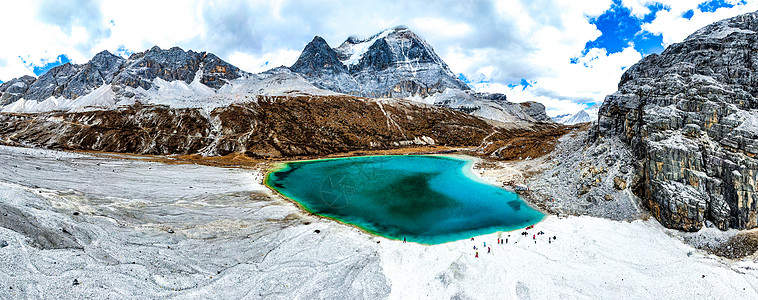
(395, 63)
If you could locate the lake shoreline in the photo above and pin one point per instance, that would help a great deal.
(466, 171)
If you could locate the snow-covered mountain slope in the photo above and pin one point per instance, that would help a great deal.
(488, 106)
(102, 97)
(395, 63)
(178, 94)
(583, 116)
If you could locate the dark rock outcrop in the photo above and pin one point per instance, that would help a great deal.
(133, 129)
(689, 114)
(535, 110)
(320, 64)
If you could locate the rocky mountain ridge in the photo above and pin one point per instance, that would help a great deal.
(689, 115)
(139, 71)
(397, 63)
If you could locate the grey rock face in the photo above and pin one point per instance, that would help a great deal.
(216, 72)
(14, 89)
(535, 110)
(689, 114)
(394, 63)
(51, 83)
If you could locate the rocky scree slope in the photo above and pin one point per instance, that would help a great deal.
(689, 115)
(397, 63)
(269, 127)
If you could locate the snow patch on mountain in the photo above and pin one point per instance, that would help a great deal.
(355, 48)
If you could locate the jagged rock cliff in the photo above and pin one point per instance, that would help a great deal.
(321, 65)
(175, 64)
(689, 115)
(270, 126)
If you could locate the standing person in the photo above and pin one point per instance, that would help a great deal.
(489, 250)
(403, 240)
(477, 254)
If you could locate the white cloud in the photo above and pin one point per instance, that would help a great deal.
(441, 28)
(259, 63)
(674, 28)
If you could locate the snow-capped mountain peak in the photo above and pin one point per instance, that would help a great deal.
(583, 116)
(394, 63)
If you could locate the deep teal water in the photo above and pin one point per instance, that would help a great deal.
(425, 199)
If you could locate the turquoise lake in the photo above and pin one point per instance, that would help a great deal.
(425, 199)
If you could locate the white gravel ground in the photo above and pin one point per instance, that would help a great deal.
(147, 230)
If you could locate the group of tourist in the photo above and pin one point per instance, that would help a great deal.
(501, 241)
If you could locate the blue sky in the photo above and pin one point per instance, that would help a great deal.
(620, 29)
(566, 54)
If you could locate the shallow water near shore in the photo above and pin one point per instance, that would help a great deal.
(424, 199)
